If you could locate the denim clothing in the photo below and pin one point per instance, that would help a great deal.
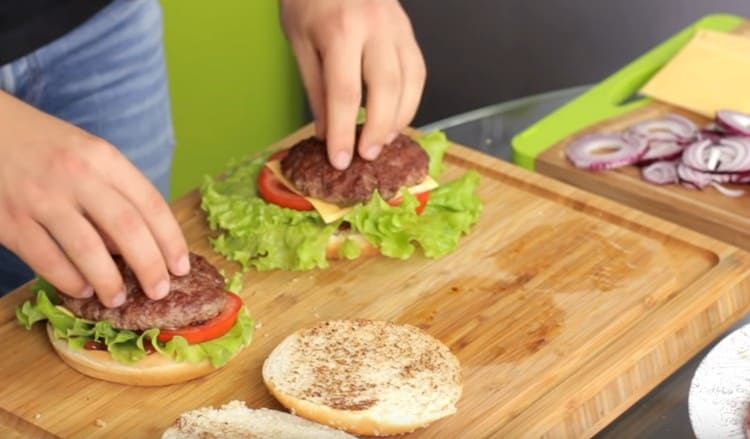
(108, 77)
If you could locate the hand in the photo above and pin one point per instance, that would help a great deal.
(64, 192)
(339, 43)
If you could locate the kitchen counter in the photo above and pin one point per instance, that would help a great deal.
(662, 413)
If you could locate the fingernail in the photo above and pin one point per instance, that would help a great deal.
(391, 137)
(183, 266)
(119, 298)
(371, 152)
(341, 160)
(87, 292)
(161, 289)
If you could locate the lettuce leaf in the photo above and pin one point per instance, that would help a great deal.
(264, 236)
(435, 143)
(128, 346)
(450, 212)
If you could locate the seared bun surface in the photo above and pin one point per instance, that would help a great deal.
(193, 298)
(365, 377)
(401, 163)
(235, 420)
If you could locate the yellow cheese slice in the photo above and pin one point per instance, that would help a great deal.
(712, 72)
(331, 212)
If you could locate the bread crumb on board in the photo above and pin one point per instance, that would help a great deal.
(37, 416)
(100, 423)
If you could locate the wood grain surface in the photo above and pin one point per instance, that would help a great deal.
(563, 307)
(706, 211)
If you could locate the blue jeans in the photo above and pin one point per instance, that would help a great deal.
(108, 77)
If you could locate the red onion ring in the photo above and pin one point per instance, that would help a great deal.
(726, 155)
(695, 178)
(672, 127)
(661, 150)
(605, 151)
(662, 172)
(729, 192)
(734, 121)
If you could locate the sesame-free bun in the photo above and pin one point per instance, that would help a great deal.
(154, 370)
(366, 377)
(235, 420)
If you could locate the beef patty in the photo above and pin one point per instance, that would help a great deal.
(401, 163)
(192, 299)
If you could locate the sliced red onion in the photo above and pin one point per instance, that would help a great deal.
(716, 128)
(661, 150)
(672, 127)
(726, 155)
(605, 151)
(729, 192)
(738, 177)
(734, 121)
(662, 172)
(695, 178)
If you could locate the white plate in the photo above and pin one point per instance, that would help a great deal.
(720, 390)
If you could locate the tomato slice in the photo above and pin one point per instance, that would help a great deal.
(422, 197)
(274, 191)
(210, 329)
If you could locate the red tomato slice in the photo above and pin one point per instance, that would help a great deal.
(422, 197)
(274, 191)
(210, 329)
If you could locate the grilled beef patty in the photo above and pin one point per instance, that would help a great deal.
(401, 163)
(192, 299)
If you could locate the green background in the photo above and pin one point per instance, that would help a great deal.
(233, 83)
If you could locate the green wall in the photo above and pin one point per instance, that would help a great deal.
(233, 83)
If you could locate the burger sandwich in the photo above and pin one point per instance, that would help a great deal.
(293, 210)
(193, 331)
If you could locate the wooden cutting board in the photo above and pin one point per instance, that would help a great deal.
(564, 308)
(706, 211)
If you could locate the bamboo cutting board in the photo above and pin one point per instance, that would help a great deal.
(706, 211)
(563, 308)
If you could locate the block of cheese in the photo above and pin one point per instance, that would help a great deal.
(331, 212)
(710, 73)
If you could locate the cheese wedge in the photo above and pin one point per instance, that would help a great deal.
(331, 212)
(710, 73)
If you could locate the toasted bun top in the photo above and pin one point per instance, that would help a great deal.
(235, 420)
(375, 377)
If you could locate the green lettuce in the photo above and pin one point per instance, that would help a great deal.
(124, 345)
(265, 236)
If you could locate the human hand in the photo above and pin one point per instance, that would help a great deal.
(64, 193)
(340, 43)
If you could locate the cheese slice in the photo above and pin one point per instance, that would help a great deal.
(331, 212)
(712, 72)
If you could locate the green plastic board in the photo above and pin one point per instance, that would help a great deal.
(611, 97)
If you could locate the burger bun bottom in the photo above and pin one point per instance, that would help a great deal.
(154, 370)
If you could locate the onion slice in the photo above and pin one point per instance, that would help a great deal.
(662, 172)
(672, 127)
(694, 177)
(726, 155)
(734, 121)
(606, 151)
(661, 150)
(729, 192)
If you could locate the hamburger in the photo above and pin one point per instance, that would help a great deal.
(366, 377)
(193, 331)
(293, 210)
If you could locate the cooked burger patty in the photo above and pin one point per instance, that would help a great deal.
(192, 299)
(401, 163)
